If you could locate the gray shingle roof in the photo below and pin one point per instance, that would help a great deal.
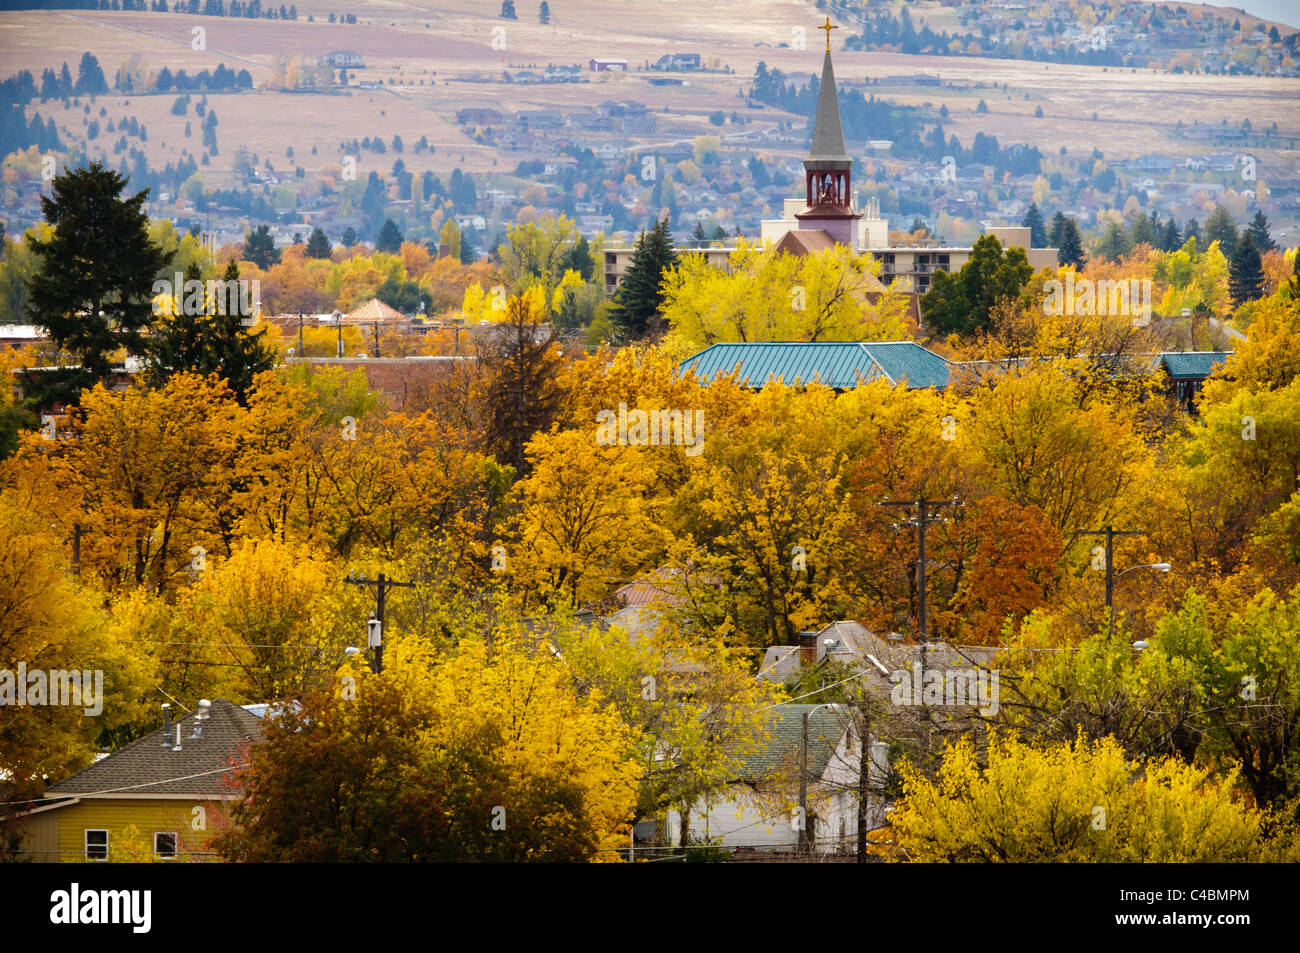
(785, 725)
(146, 767)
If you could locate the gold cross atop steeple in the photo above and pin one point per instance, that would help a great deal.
(828, 27)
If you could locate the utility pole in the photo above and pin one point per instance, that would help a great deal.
(803, 784)
(1109, 532)
(924, 517)
(382, 585)
(864, 781)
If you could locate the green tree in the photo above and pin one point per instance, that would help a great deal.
(1114, 244)
(544, 13)
(389, 238)
(1219, 227)
(318, 245)
(93, 289)
(640, 295)
(1033, 220)
(962, 303)
(1245, 271)
(1056, 230)
(1069, 247)
(1143, 232)
(259, 248)
(211, 338)
(1259, 232)
(349, 237)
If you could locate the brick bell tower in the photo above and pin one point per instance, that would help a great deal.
(827, 170)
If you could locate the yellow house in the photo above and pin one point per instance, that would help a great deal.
(159, 798)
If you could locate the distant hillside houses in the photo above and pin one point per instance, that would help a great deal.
(606, 65)
(340, 59)
(672, 62)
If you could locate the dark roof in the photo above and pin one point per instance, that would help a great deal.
(784, 724)
(1196, 364)
(838, 364)
(145, 766)
(828, 133)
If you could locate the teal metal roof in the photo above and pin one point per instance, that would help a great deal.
(1193, 364)
(838, 364)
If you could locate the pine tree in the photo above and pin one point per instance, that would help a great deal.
(214, 341)
(544, 13)
(1169, 236)
(1070, 245)
(349, 237)
(1245, 272)
(1191, 230)
(697, 235)
(1033, 220)
(318, 245)
(1221, 228)
(637, 301)
(93, 288)
(1143, 232)
(1259, 232)
(1056, 230)
(259, 248)
(389, 238)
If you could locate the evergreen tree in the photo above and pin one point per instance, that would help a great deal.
(349, 237)
(1245, 271)
(93, 287)
(468, 246)
(211, 339)
(389, 238)
(544, 14)
(1056, 230)
(637, 301)
(1169, 236)
(1114, 244)
(579, 258)
(318, 244)
(698, 238)
(508, 10)
(1070, 245)
(259, 248)
(1259, 233)
(1143, 232)
(90, 77)
(1191, 230)
(1033, 220)
(1221, 228)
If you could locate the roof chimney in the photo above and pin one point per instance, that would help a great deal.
(807, 648)
(167, 724)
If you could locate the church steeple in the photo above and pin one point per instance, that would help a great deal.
(828, 131)
(828, 168)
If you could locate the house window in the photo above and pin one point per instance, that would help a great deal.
(96, 845)
(164, 844)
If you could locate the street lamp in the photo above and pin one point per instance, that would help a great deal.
(804, 840)
(1110, 593)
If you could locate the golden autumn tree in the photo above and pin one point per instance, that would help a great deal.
(472, 754)
(49, 623)
(830, 295)
(1072, 802)
(587, 517)
(152, 471)
(268, 622)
